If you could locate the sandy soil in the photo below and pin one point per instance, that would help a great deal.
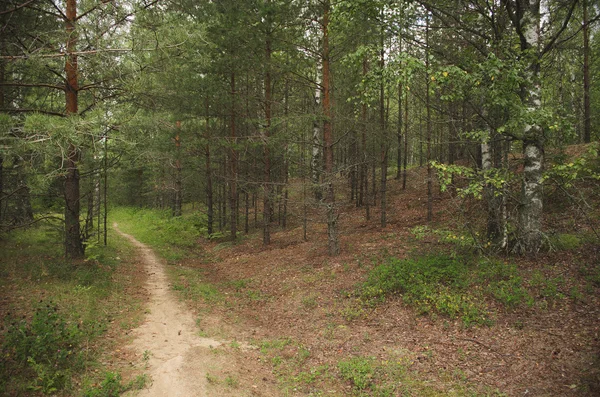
(178, 360)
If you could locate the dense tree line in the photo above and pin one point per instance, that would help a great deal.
(228, 105)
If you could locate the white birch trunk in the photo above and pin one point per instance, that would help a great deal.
(530, 216)
(316, 163)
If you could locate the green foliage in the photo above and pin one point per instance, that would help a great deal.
(173, 237)
(66, 305)
(446, 236)
(359, 371)
(565, 242)
(47, 345)
(446, 285)
(510, 292)
(587, 166)
(112, 385)
(476, 180)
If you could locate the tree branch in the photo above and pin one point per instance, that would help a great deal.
(17, 7)
(552, 41)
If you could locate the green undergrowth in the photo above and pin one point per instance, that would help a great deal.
(174, 238)
(458, 287)
(192, 286)
(389, 374)
(51, 339)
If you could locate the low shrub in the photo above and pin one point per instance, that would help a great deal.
(452, 286)
(47, 346)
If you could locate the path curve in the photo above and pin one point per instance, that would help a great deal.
(178, 358)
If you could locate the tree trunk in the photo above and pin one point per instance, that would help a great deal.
(384, 143)
(399, 135)
(493, 198)
(286, 161)
(428, 110)
(587, 120)
(177, 204)
(74, 248)
(1, 191)
(24, 211)
(332, 215)
(364, 171)
(233, 195)
(208, 171)
(531, 198)
(267, 188)
(105, 190)
(316, 160)
(530, 214)
(2, 70)
(405, 135)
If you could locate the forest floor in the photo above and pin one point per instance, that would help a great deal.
(217, 318)
(290, 322)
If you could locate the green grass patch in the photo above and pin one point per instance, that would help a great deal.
(453, 286)
(174, 238)
(391, 376)
(190, 283)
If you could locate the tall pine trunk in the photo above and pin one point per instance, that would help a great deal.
(428, 132)
(233, 195)
(267, 188)
(208, 171)
(178, 198)
(384, 142)
(74, 248)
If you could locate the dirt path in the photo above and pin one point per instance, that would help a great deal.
(178, 360)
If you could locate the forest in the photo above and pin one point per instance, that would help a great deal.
(353, 197)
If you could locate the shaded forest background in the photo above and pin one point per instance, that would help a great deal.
(224, 107)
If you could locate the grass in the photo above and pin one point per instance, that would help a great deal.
(389, 374)
(58, 312)
(189, 282)
(174, 238)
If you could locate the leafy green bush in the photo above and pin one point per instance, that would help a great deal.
(359, 371)
(447, 285)
(112, 386)
(46, 345)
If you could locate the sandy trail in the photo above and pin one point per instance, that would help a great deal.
(178, 359)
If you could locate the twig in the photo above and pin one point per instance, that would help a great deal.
(486, 346)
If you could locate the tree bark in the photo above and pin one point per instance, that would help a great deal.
(428, 132)
(316, 159)
(74, 248)
(405, 135)
(233, 195)
(364, 171)
(399, 135)
(1, 191)
(384, 143)
(332, 215)
(267, 188)
(531, 208)
(587, 119)
(177, 202)
(208, 171)
(2, 77)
